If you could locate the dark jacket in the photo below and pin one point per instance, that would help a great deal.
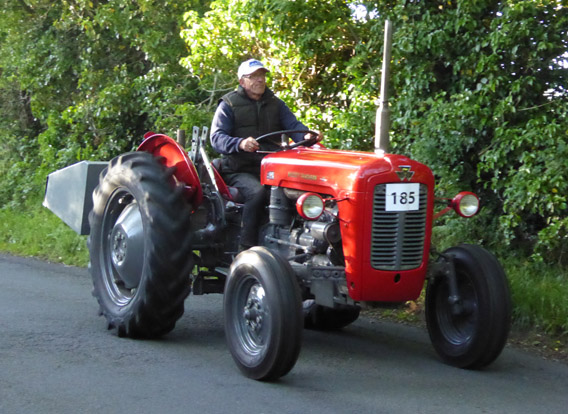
(238, 117)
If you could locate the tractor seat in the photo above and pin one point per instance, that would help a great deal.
(228, 193)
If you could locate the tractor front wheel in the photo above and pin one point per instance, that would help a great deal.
(263, 314)
(469, 331)
(140, 254)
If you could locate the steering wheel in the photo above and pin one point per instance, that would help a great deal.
(305, 142)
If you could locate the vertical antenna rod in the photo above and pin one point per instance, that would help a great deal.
(383, 113)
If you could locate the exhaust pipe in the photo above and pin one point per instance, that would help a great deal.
(382, 125)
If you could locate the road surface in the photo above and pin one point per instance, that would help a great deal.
(56, 356)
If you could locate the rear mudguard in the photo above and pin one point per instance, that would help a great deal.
(173, 155)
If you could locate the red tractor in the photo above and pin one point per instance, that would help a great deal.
(342, 228)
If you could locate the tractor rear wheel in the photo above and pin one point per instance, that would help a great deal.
(263, 314)
(140, 254)
(471, 333)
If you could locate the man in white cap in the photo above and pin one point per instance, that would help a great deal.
(241, 116)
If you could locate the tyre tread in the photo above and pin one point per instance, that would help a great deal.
(159, 303)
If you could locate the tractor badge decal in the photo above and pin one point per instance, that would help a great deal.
(405, 173)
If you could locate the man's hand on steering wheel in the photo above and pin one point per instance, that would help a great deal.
(310, 135)
(249, 144)
(311, 138)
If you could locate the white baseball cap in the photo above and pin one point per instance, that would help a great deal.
(250, 66)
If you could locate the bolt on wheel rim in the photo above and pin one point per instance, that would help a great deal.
(123, 247)
(252, 316)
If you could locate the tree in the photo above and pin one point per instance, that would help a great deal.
(91, 77)
(309, 47)
(487, 110)
(477, 87)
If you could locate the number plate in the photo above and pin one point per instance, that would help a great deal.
(402, 197)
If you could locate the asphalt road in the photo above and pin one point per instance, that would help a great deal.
(56, 356)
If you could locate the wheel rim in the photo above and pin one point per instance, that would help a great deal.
(251, 316)
(458, 327)
(122, 247)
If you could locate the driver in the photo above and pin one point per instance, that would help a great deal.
(241, 116)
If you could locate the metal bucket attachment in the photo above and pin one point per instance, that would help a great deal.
(68, 193)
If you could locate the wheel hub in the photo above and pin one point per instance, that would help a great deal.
(127, 246)
(119, 240)
(253, 312)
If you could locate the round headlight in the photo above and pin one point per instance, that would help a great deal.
(310, 206)
(466, 204)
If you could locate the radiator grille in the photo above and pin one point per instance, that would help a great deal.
(397, 238)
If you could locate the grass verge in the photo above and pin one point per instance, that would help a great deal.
(35, 231)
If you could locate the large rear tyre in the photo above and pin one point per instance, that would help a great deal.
(140, 254)
(473, 334)
(263, 314)
(322, 318)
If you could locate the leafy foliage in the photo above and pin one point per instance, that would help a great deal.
(308, 46)
(478, 92)
(478, 89)
(85, 80)
(492, 114)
